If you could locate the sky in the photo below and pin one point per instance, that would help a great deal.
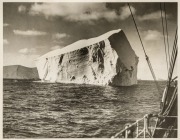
(33, 29)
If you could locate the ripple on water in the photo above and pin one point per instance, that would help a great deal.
(41, 110)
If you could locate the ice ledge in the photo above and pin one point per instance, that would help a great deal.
(79, 44)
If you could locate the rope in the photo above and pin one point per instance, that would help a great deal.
(173, 57)
(147, 58)
(173, 98)
(137, 30)
(173, 65)
(171, 69)
(153, 74)
(167, 33)
(164, 37)
(174, 78)
(158, 128)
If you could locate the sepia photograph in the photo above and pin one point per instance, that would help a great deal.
(90, 69)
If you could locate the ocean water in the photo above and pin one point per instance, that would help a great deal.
(47, 110)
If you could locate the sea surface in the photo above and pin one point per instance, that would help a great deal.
(47, 110)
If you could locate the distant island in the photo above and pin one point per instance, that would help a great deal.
(104, 60)
(20, 72)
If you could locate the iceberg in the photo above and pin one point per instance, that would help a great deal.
(20, 72)
(104, 60)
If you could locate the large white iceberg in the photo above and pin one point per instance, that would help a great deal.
(104, 60)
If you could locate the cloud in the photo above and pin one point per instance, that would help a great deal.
(5, 25)
(56, 47)
(152, 35)
(79, 11)
(22, 9)
(27, 51)
(125, 13)
(59, 36)
(21, 59)
(152, 16)
(5, 42)
(29, 33)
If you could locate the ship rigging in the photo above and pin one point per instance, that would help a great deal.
(164, 124)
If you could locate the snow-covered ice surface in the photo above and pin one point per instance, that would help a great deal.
(79, 44)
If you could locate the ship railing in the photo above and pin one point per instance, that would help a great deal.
(141, 128)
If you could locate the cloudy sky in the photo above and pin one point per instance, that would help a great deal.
(33, 29)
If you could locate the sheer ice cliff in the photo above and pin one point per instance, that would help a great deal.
(104, 60)
(20, 72)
